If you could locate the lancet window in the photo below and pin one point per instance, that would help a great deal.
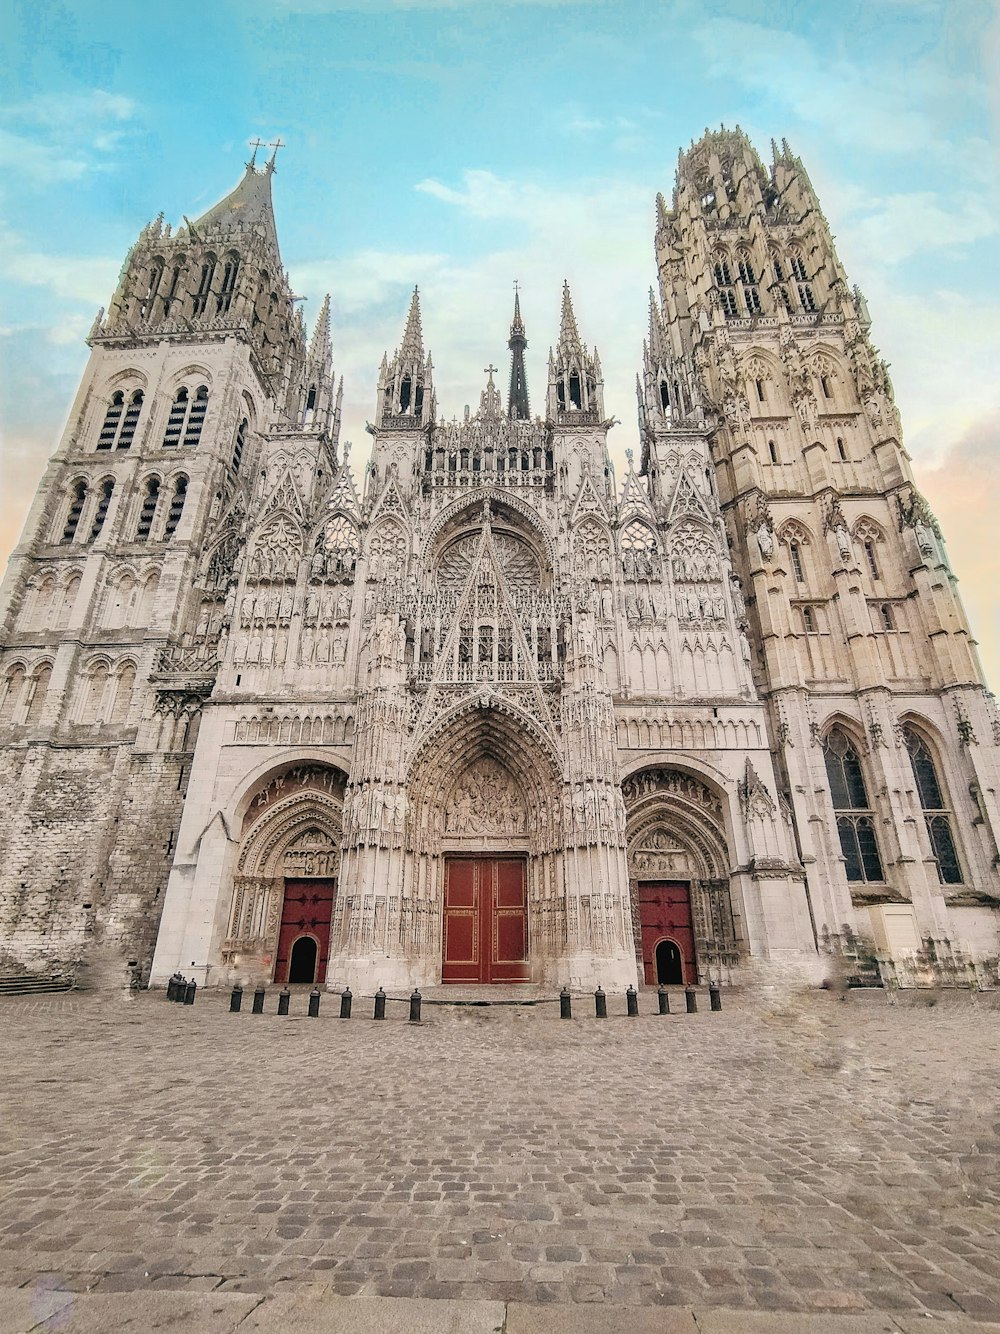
(101, 513)
(176, 506)
(148, 509)
(855, 817)
(79, 499)
(937, 816)
(204, 285)
(120, 421)
(187, 417)
(229, 274)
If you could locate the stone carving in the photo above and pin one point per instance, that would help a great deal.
(759, 521)
(486, 801)
(755, 799)
(276, 551)
(312, 853)
(837, 524)
(695, 554)
(671, 781)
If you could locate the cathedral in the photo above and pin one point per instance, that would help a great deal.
(482, 713)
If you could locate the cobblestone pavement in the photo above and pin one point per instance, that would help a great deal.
(794, 1154)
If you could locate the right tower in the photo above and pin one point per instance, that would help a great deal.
(886, 740)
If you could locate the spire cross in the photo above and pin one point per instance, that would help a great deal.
(278, 143)
(490, 370)
(516, 286)
(255, 144)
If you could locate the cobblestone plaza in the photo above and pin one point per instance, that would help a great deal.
(794, 1160)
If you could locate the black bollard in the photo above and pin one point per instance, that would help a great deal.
(171, 987)
(714, 996)
(284, 996)
(379, 1004)
(236, 999)
(600, 1003)
(632, 1002)
(345, 1003)
(565, 1004)
(258, 1000)
(691, 1000)
(415, 1007)
(663, 1000)
(189, 990)
(314, 1003)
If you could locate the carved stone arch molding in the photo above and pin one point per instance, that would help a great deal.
(676, 830)
(293, 827)
(500, 501)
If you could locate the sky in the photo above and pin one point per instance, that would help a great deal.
(463, 144)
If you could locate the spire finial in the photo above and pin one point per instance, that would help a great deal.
(255, 144)
(278, 143)
(568, 332)
(412, 347)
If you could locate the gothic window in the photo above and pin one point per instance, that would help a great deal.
(795, 553)
(239, 444)
(779, 268)
(131, 420)
(872, 559)
(148, 510)
(118, 604)
(936, 815)
(855, 818)
(112, 420)
(802, 283)
(196, 417)
(155, 278)
(176, 507)
(840, 448)
(885, 616)
(824, 381)
(77, 503)
(772, 449)
(761, 391)
(146, 600)
(101, 513)
(175, 422)
(37, 690)
(748, 280)
(10, 694)
(204, 285)
(574, 389)
(176, 274)
(229, 274)
(405, 391)
(809, 620)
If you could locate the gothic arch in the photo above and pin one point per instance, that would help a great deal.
(867, 529)
(466, 737)
(793, 530)
(499, 502)
(130, 378)
(290, 821)
(327, 775)
(670, 811)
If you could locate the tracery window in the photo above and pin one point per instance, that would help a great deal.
(872, 559)
(187, 417)
(101, 513)
(854, 815)
(118, 428)
(802, 283)
(229, 275)
(204, 285)
(937, 816)
(795, 554)
(724, 283)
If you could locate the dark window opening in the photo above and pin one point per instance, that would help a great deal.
(809, 620)
(772, 450)
(131, 421)
(404, 394)
(196, 417)
(760, 390)
(111, 419)
(176, 507)
(239, 444)
(101, 513)
(855, 820)
(872, 560)
(936, 817)
(840, 448)
(795, 552)
(574, 390)
(885, 612)
(148, 510)
(175, 422)
(75, 510)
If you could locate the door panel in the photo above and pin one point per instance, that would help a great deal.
(307, 910)
(485, 920)
(665, 914)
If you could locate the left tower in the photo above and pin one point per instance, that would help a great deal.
(111, 616)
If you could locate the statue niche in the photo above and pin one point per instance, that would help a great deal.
(486, 801)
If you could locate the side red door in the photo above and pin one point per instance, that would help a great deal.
(307, 910)
(665, 914)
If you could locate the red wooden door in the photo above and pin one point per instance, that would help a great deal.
(485, 920)
(307, 911)
(665, 915)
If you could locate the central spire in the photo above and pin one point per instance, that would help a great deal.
(517, 399)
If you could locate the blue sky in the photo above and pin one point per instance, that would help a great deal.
(461, 144)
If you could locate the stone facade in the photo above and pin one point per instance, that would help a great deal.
(248, 704)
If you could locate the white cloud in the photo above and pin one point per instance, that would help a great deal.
(55, 138)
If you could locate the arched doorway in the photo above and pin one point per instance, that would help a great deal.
(678, 867)
(669, 964)
(302, 959)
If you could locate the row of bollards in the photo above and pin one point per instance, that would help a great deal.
(632, 1001)
(181, 990)
(285, 996)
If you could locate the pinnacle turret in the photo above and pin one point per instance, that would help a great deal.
(412, 346)
(569, 335)
(517, 398)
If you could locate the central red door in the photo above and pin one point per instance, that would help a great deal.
(306, 911)
(665, 921)
(485, 920)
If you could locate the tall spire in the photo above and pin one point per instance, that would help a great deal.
(569, 335)
(517, 398)
(319, 344)
(412, 346)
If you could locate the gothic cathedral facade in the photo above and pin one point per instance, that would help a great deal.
(488, 716)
